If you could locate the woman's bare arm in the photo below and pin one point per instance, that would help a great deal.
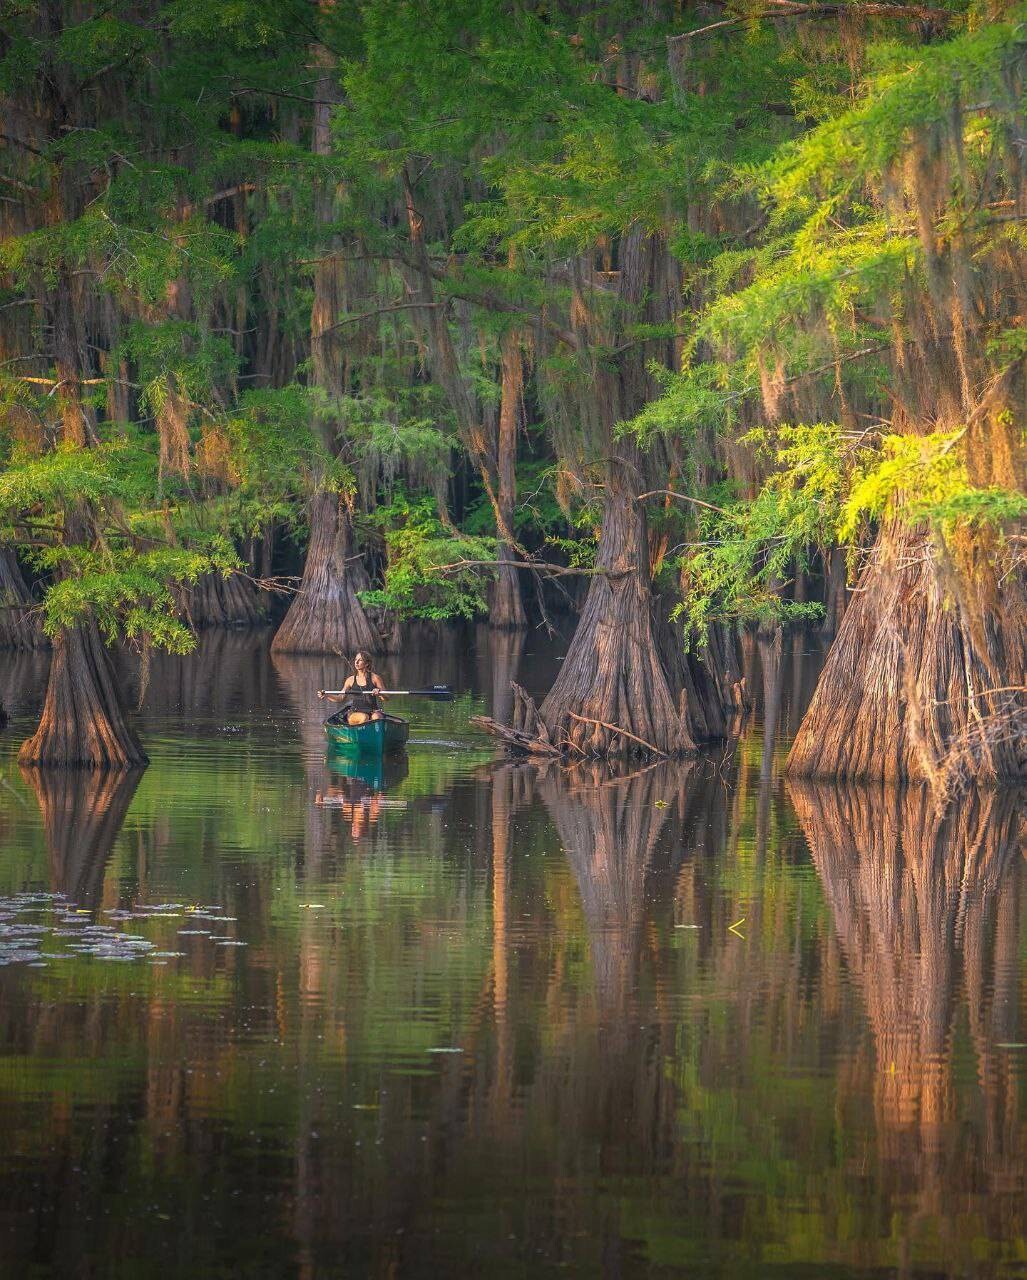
(338, 697)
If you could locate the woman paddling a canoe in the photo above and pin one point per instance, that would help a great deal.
(361, 691)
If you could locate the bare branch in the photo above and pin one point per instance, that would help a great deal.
(672, 493)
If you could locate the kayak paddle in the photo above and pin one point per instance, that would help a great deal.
(442, 692)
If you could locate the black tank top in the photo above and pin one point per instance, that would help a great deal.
(362, 696)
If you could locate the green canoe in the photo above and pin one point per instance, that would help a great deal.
(376, 737)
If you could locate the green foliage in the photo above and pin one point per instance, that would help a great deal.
(924, 478)
(433, 571)
(745, 551)
(173, 191)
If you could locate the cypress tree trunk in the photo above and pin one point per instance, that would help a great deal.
(20, 626)
(508, 603)
(614, 673)
(83, 724)
(326, 615)
(906, 690)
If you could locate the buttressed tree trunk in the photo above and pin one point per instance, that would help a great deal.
(614, 673)
(219, 601)
(620, 669)
(83, 724)
(327, 616)
(925, 678)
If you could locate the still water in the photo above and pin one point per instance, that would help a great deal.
(263, 1014)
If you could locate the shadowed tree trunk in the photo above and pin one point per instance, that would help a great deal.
(327, 616)
(83, 723)
(20, 624)
(507, 601)
(907, 689)
(219, 601)
(835, 592)
(82, 816)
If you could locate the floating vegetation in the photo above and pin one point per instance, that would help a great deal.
(67, 930)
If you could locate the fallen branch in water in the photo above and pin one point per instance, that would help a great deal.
(527, 733)
(516, 739)
(615, 728)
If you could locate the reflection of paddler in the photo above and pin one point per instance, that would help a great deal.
(357, 785)
(361, 693)
(360, 805)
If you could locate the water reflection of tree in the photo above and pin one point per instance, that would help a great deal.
(926, 914)
(499, 664)
(228, 672)
(83, 811)
(609, 827)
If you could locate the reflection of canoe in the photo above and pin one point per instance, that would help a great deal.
(377, 773)
(376, 737)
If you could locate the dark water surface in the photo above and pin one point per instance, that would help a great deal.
(265, 1015)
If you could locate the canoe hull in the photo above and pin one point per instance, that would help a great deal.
(376, 737)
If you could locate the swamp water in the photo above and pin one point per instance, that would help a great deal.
(262, 1014)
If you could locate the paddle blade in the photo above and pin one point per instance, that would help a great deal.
(439, 692)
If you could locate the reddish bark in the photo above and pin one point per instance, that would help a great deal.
(83, 724)
(925, 679)
(615, 671)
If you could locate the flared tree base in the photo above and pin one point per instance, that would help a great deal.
(327, 616)
(219, 601)
(924, 682)
(613, 695)
(83, 724)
